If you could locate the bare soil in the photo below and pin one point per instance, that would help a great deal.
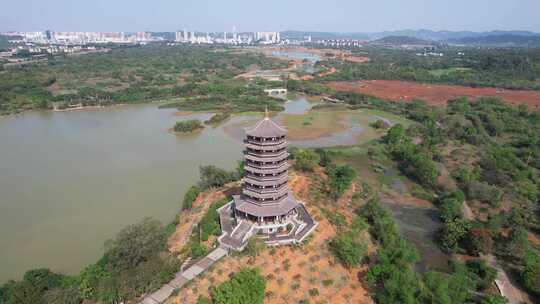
(434, 94)
(294, 273)
(189, 218)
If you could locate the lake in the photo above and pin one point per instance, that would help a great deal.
(71, 180)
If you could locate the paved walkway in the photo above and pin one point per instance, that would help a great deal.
(182, 277)
(503, 282)
(507, 289)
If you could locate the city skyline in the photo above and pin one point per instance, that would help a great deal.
(279, 15)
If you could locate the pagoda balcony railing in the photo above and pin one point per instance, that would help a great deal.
(282, 189)
(265, 143)
(267, 168)
(266, 161)
(260, 147)
(266, 154)
(266, 180)
(270, 197)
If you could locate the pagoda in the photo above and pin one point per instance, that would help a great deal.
(266, 205)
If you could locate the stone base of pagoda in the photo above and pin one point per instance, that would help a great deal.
(290, 228)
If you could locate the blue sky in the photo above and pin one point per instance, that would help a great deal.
(250, 15)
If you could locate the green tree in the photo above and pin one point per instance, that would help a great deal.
(530, 273)
(340, 179)
(450, 206)
(70, 295)
(348, 250)
(136, 244)
(22, 292)
(245, 287)
(443, 288)
(518, 245)
(453, 233)
(190, 197)
(212, 176)
(395, 134)
(188, 126)
(254, 247)
(324, 156)
(305, 160)
(494, 299)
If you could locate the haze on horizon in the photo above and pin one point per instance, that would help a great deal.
(277, 15)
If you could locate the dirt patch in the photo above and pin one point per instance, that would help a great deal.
(357, 59)
(434, 94)
(294, 273)
(188, 219)
(330, 71)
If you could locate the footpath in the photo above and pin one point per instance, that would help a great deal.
(182, 277)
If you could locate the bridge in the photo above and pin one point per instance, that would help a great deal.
(275, 92)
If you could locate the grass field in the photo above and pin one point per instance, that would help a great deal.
(327, 122)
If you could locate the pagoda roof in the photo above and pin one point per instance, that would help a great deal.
(266, 181)
(281, 208)
(258, 146)
(266, 128)
(267, 169)
(263, 158)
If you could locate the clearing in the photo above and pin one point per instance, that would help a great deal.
(433, 94)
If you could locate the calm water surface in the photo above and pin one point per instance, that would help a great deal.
(71, 180)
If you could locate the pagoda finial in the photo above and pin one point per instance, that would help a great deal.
(266, 112)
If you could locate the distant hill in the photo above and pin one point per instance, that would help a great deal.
(447, 35)
(401, 40)
(324, 35)
(420, 34)
(500, 40)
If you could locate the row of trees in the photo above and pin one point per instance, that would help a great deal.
(123, 75)
(506, 68)
(395, 281)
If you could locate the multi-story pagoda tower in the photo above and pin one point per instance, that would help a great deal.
(266, 205)
(265, 194)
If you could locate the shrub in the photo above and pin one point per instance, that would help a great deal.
(450, 206)
(379, 124)
(327, 282)
(313, 292)
(340, 178)
(190, 197)
(218, 118)
(484, 192)
(481, 273)
(188, 126)
(453, 233)
(494, 299)
(212, 176)
(324, 156)
(530, 273)
(304, 159)
(136, 244)
(245, 287)
(349, 251)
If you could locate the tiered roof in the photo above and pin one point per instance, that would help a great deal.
(267, 195)
(266, 128)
